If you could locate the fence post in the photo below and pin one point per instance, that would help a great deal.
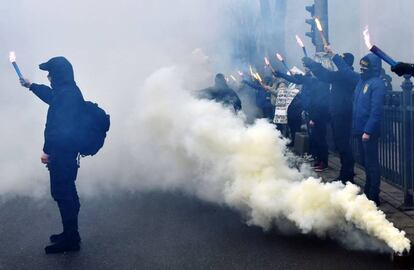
(407, 87)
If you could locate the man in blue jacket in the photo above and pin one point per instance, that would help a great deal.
(60, 149)
(341, 98)
(367, 117)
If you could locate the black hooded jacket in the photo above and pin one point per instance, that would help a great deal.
(65, 102)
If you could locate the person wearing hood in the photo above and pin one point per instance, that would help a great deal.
(60, 153)
(367, 117)
(221, 93)
(314, 94)
(341, 98)
(266, 96)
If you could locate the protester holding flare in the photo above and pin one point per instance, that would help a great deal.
(263, 96)
(60, 148)
(340, 110)
(367, 116)
(314, 95)
(222, 93)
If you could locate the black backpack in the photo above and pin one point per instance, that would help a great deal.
(93, 125)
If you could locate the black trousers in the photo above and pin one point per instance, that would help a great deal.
(318, 141)
(63, 169)
(341, 128)
(294, 127)
(368, 151)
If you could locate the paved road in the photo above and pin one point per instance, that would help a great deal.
(163, 231)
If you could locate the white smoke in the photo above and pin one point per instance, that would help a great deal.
(204, 149)
(162, 138)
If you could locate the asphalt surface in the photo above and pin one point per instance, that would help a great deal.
(163, 231)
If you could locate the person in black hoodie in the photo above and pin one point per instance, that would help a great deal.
(341, 98)
(60, 152)
(221, 93)
(314, 95)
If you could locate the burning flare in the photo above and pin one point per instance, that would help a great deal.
(299, 41)
(318, 24)
(12, 57)
(279, 57)
(251, 71)
(257, 76)
(367, 38)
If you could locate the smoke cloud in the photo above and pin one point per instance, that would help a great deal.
(137, 66)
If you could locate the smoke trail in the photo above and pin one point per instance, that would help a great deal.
(204, 149)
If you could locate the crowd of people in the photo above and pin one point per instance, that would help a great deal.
(350, 102)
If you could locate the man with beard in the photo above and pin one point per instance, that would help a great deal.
(60, 150)
(367, 117)
(221, 93)
(341, 99)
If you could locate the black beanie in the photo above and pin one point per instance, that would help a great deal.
(348, 58)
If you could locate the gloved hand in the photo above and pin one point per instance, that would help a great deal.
(25, 83)
(307, 61)
(403, 68)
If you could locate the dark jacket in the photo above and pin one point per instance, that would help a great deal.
(65, 102)
(368, 98)
(222, 94)
(314, 95)
(263, 97)
(342, 90)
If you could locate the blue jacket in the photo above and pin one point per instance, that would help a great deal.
(368, 98)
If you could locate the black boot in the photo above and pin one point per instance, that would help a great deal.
(68, 243)
(54, 238)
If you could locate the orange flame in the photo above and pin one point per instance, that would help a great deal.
(279, 57)
(299, 41)
(318, 24)
(12, 57)
(367, 38)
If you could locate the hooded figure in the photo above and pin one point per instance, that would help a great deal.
(367, 117)
(221, 93)
(341, 99)
(313, 95)
(60, 149)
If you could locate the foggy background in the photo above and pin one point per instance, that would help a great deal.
(115, 46)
